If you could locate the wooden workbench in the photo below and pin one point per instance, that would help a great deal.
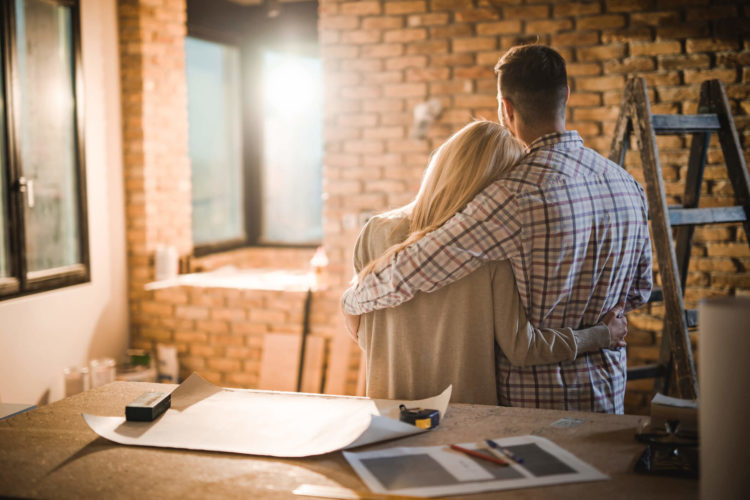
(50, 452)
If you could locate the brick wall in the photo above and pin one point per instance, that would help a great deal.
(154, 129)
(381, 58)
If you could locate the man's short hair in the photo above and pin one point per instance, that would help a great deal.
(534, 79)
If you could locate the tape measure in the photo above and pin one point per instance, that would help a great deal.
(421, 417)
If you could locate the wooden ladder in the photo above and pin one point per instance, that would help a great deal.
(714, 115)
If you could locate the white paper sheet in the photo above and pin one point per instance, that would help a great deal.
(280, 424)
(434, 471)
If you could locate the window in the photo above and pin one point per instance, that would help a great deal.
(215, 141)
(43, 238)
(256, 149)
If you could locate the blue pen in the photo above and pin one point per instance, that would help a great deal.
(504, 451)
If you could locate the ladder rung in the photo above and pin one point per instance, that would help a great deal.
(684, 124)
(691, 316)
(691, 216)
(645, 371)
(656, 296)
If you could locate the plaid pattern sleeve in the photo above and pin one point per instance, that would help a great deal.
(487, 229)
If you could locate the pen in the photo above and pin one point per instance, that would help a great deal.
(504, 451)
(477, 454)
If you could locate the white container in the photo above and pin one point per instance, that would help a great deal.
(167, 263)
(724, 406)
(76, 379)
(102, 371)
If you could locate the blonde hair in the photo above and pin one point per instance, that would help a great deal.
(470, 160)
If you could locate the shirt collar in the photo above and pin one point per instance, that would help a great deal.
(556, 140)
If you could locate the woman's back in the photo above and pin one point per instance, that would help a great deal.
(447, 337)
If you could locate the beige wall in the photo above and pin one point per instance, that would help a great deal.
(43, 333)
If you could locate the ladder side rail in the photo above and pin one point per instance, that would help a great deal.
(623, 128)
(683, 235)
(730, 145)
(678, 345)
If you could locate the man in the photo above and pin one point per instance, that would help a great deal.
(572, 224)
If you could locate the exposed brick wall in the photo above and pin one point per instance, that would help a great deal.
(154, 124)
(381, 58)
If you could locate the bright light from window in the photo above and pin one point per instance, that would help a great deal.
(290, 82)
(292, 149)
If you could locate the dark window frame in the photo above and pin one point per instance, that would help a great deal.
(21, 281)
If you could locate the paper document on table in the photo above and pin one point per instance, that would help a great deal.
(435, 471)
(280, 424)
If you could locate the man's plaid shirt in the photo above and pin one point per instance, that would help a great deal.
(574, 226)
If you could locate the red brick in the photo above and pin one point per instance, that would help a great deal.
(601, 53)
(383, 23)
(473, 44)
(600, 83)
(499, 27)
(584, 99)
(360, 37)
(574, 39)
(429, 47)
(474, 15)
(428, 19)
(399, 63)
(405, 7)
(428, 74)
(575, 8)
(224, 365)
(683, 30)
(527, 12)
(406, 35)
(727, 75)
(339, 22)
(191, 312)
(450, 4)
(451, 30)
(629, 5)
(655, 48)
(548, 26)
(475, 101)
(584, 69)
(360, 8)
(630, 65)
(634, 34)
(684, 61)
(693, 45)
(383, 50)
(462, 59)
(406, 90)
(383, 133)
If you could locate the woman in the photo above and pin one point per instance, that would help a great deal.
(451, 336)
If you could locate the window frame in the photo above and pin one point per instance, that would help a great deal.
(22, 282)
(249, 205)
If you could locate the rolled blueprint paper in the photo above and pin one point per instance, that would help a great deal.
(724, 408)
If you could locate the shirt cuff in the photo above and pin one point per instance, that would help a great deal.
(592, 338)
(350, 303)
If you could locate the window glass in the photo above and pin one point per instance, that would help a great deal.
(47, 133)
(292, 149)
(215, 140)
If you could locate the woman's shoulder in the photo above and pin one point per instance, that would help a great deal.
(382, 225)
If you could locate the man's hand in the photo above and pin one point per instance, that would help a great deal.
(617, 324)
(351, 322)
